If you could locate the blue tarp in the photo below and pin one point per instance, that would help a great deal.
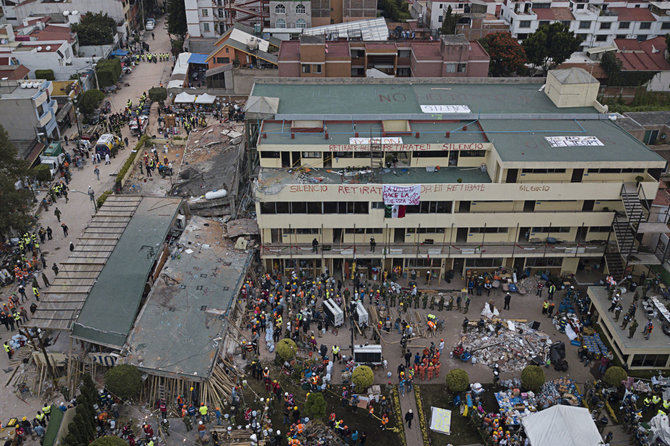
(119, 52)
(198, 58)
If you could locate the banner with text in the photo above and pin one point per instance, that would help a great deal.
(405, 195)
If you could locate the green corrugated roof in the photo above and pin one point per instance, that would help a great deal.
(524, 140)
(406, 98)
(112, 304)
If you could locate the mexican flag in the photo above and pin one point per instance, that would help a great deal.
(394, 211)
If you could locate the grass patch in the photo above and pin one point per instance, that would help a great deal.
(462, 430)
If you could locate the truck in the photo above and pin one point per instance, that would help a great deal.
(53, 157)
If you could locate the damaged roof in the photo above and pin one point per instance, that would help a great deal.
(112, 304)
(179, 329)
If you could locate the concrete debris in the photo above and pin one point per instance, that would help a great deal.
(241, 226)
(512, 350)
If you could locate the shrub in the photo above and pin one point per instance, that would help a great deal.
(108, 71)
(41, 172)
(286, 349)
(145, 139)
(109, 441)
(532, 377)
(614, 375)
(102, 198)
(158, 94)
(124, 381)
(362, 378)
(315, 406)
(458, 380)
(90, 100)
(45, 74)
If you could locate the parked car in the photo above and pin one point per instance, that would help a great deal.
(150, 24)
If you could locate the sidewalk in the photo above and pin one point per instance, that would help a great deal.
(412, 436)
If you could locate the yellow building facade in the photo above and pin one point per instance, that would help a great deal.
(511, 175)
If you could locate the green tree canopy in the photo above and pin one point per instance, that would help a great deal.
(614, 375)
(395, 10)
(550, 45)
(90, 100)
(109, 441)
(176, 17)
(532, 377)
(124, 381)
(449, 22)
(286, 349)
(95, 29)
(362, 378)
(507, 56)
(158, 94)
(458, 380)
(15, 203)
(315, 406)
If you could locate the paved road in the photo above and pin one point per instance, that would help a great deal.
(78, 211)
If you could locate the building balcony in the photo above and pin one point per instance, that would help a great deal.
(439, 249)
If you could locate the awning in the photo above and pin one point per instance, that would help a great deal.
(35, 152)
(181, 67)
(184, 98)
(205, 99)
(219, 69)
(64, 112)
(198, 58)
(119, 52)
(175, 83)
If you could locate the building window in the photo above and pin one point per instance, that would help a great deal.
(462, 67)
(221, 13)
(524, 23)
(300, 9)
(483, 230)
(624, 25)
(265, 154)
(606, 25)
(440, 18)
(584, 25)
(430, 207)
(602, 38)
(544, 262)
(645, 25)
(425, 230)
(205, 13)
(657, 361)
(544, 22)
(311, 154)
(620, 36)
(472, 153)
(306, 68)
(280, 9)
(580, 6)
(281, 23)
(317, 68)
(600, 229)
(300, 23)
(641, 37)
(205, 27)
(665, 25)
(484, 263)
(222, 60)
(551, 229)
(451, 67)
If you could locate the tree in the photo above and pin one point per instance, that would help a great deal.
(362, 378)
(449, 22)
(286, 349)
(176, 18)
(158, 94)
(507, 56)
(395, 10)
(124, 381)
(614, 375)
(95, 29)
(532, 378)
(315, 406)
(13, 201)
(108, 71)
(550, 45)
(458, 380)
(109, 441)
(90, 100)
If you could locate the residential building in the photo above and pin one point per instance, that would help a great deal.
(596, 23)
(13, 72)
(646, 56)
(124, 12)
(451, 56)
(447, 175)
(206, 18)
(28, 112)
(240, 45)
(291, 14)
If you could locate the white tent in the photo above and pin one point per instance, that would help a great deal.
(562, 426)
(181, 65)
(184, 98)
(205, 99)
(175, 83)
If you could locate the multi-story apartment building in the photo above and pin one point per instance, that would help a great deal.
(451, 56)
(28, 112)
(447, 176)
(596, 22)
(291, 14)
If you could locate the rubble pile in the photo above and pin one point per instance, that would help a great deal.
(513, 349)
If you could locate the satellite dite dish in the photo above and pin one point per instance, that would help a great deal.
(39, 48)
(66, 13)
(48, 48)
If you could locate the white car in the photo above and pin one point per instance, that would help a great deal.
(150, 25)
